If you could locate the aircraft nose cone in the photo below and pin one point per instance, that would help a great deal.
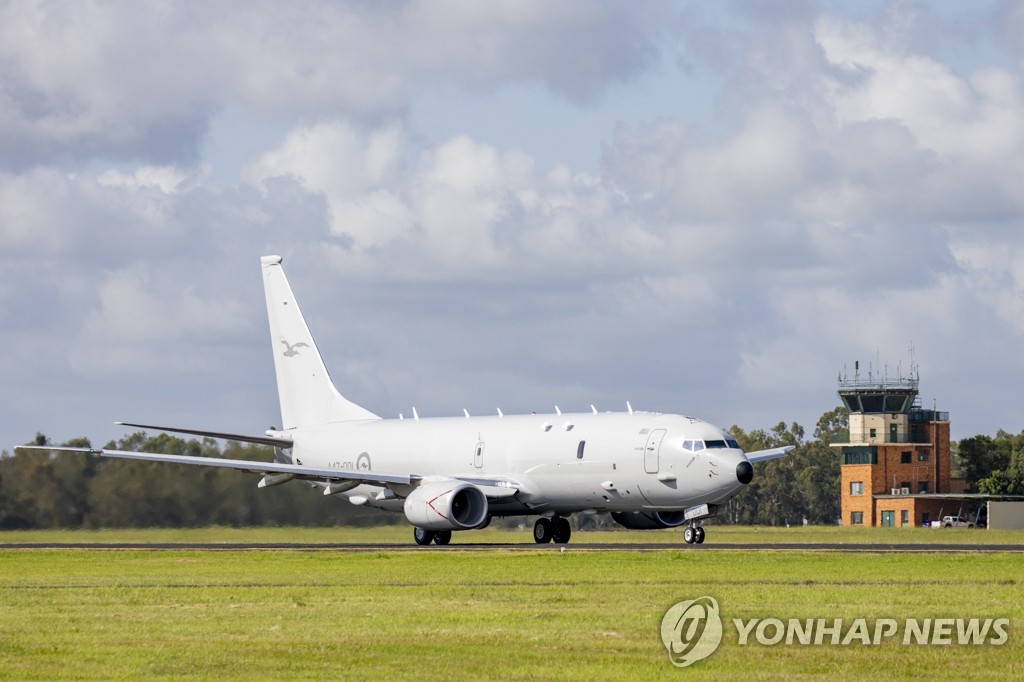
(744, 472)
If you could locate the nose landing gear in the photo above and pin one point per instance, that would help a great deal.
(693, 534)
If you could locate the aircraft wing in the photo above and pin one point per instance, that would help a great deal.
(770, 453)
(493, 488)
(251, 466)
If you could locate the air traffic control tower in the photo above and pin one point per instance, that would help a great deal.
(895, 463)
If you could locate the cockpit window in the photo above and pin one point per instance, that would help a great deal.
(698, 445)
(688, 445)
(733, 444)
(715, 444)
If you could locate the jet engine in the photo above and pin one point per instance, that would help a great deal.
(649, 520)
(446, 505)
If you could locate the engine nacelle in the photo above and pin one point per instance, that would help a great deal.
(446, 505)
(649, 520)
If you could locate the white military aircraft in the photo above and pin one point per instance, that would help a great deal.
(649, 470)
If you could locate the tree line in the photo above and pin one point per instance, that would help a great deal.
(993, 465)
(72, 490)
(69, 490)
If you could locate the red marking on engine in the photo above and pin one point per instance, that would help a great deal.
(431, 503)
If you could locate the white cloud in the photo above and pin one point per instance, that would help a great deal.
(460, 209)
(141, 80)
(166, 178)
(130, 311)
(977, 116)
(355, 172)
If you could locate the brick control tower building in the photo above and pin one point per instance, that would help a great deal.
(896, 460)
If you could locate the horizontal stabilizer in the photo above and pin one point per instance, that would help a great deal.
(770, 453)
(251, 466)
(259, 440)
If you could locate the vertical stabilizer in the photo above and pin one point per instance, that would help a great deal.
(308, 397)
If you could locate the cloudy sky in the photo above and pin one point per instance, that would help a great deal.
(702, 207)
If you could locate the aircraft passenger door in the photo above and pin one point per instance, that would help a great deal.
(651, 451)
(478, 455)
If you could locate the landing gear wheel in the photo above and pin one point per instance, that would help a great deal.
(700, 535)
(560, 530)
(542, 531)
(442, 537)
(421, 536)
(689, 535)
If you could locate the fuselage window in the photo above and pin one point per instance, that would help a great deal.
(714, 444)
(698, 445)
(579, 449)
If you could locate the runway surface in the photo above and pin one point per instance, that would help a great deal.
(517, 547)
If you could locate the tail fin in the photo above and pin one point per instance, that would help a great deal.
(308, 397)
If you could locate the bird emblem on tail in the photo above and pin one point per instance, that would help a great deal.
(291, 352)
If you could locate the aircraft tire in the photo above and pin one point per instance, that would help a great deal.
(689, 535)
(561, 531)
(700, 535)
(542, 531)
(442, 537)
(422, 536)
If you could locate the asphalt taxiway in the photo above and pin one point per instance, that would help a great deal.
(515, 547)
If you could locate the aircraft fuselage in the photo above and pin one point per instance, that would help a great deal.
(559, 463)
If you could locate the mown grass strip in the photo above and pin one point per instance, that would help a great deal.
(493, 615)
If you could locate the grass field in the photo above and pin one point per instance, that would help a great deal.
(496, 614)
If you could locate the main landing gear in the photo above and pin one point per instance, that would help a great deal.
(693, 535)
(555, 530)
(425, 537)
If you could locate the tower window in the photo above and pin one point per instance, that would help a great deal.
(905, 457)
(922, 456)
(856, 487)
(856, 518)
(866, 455)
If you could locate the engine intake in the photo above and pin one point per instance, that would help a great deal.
(446, 505)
